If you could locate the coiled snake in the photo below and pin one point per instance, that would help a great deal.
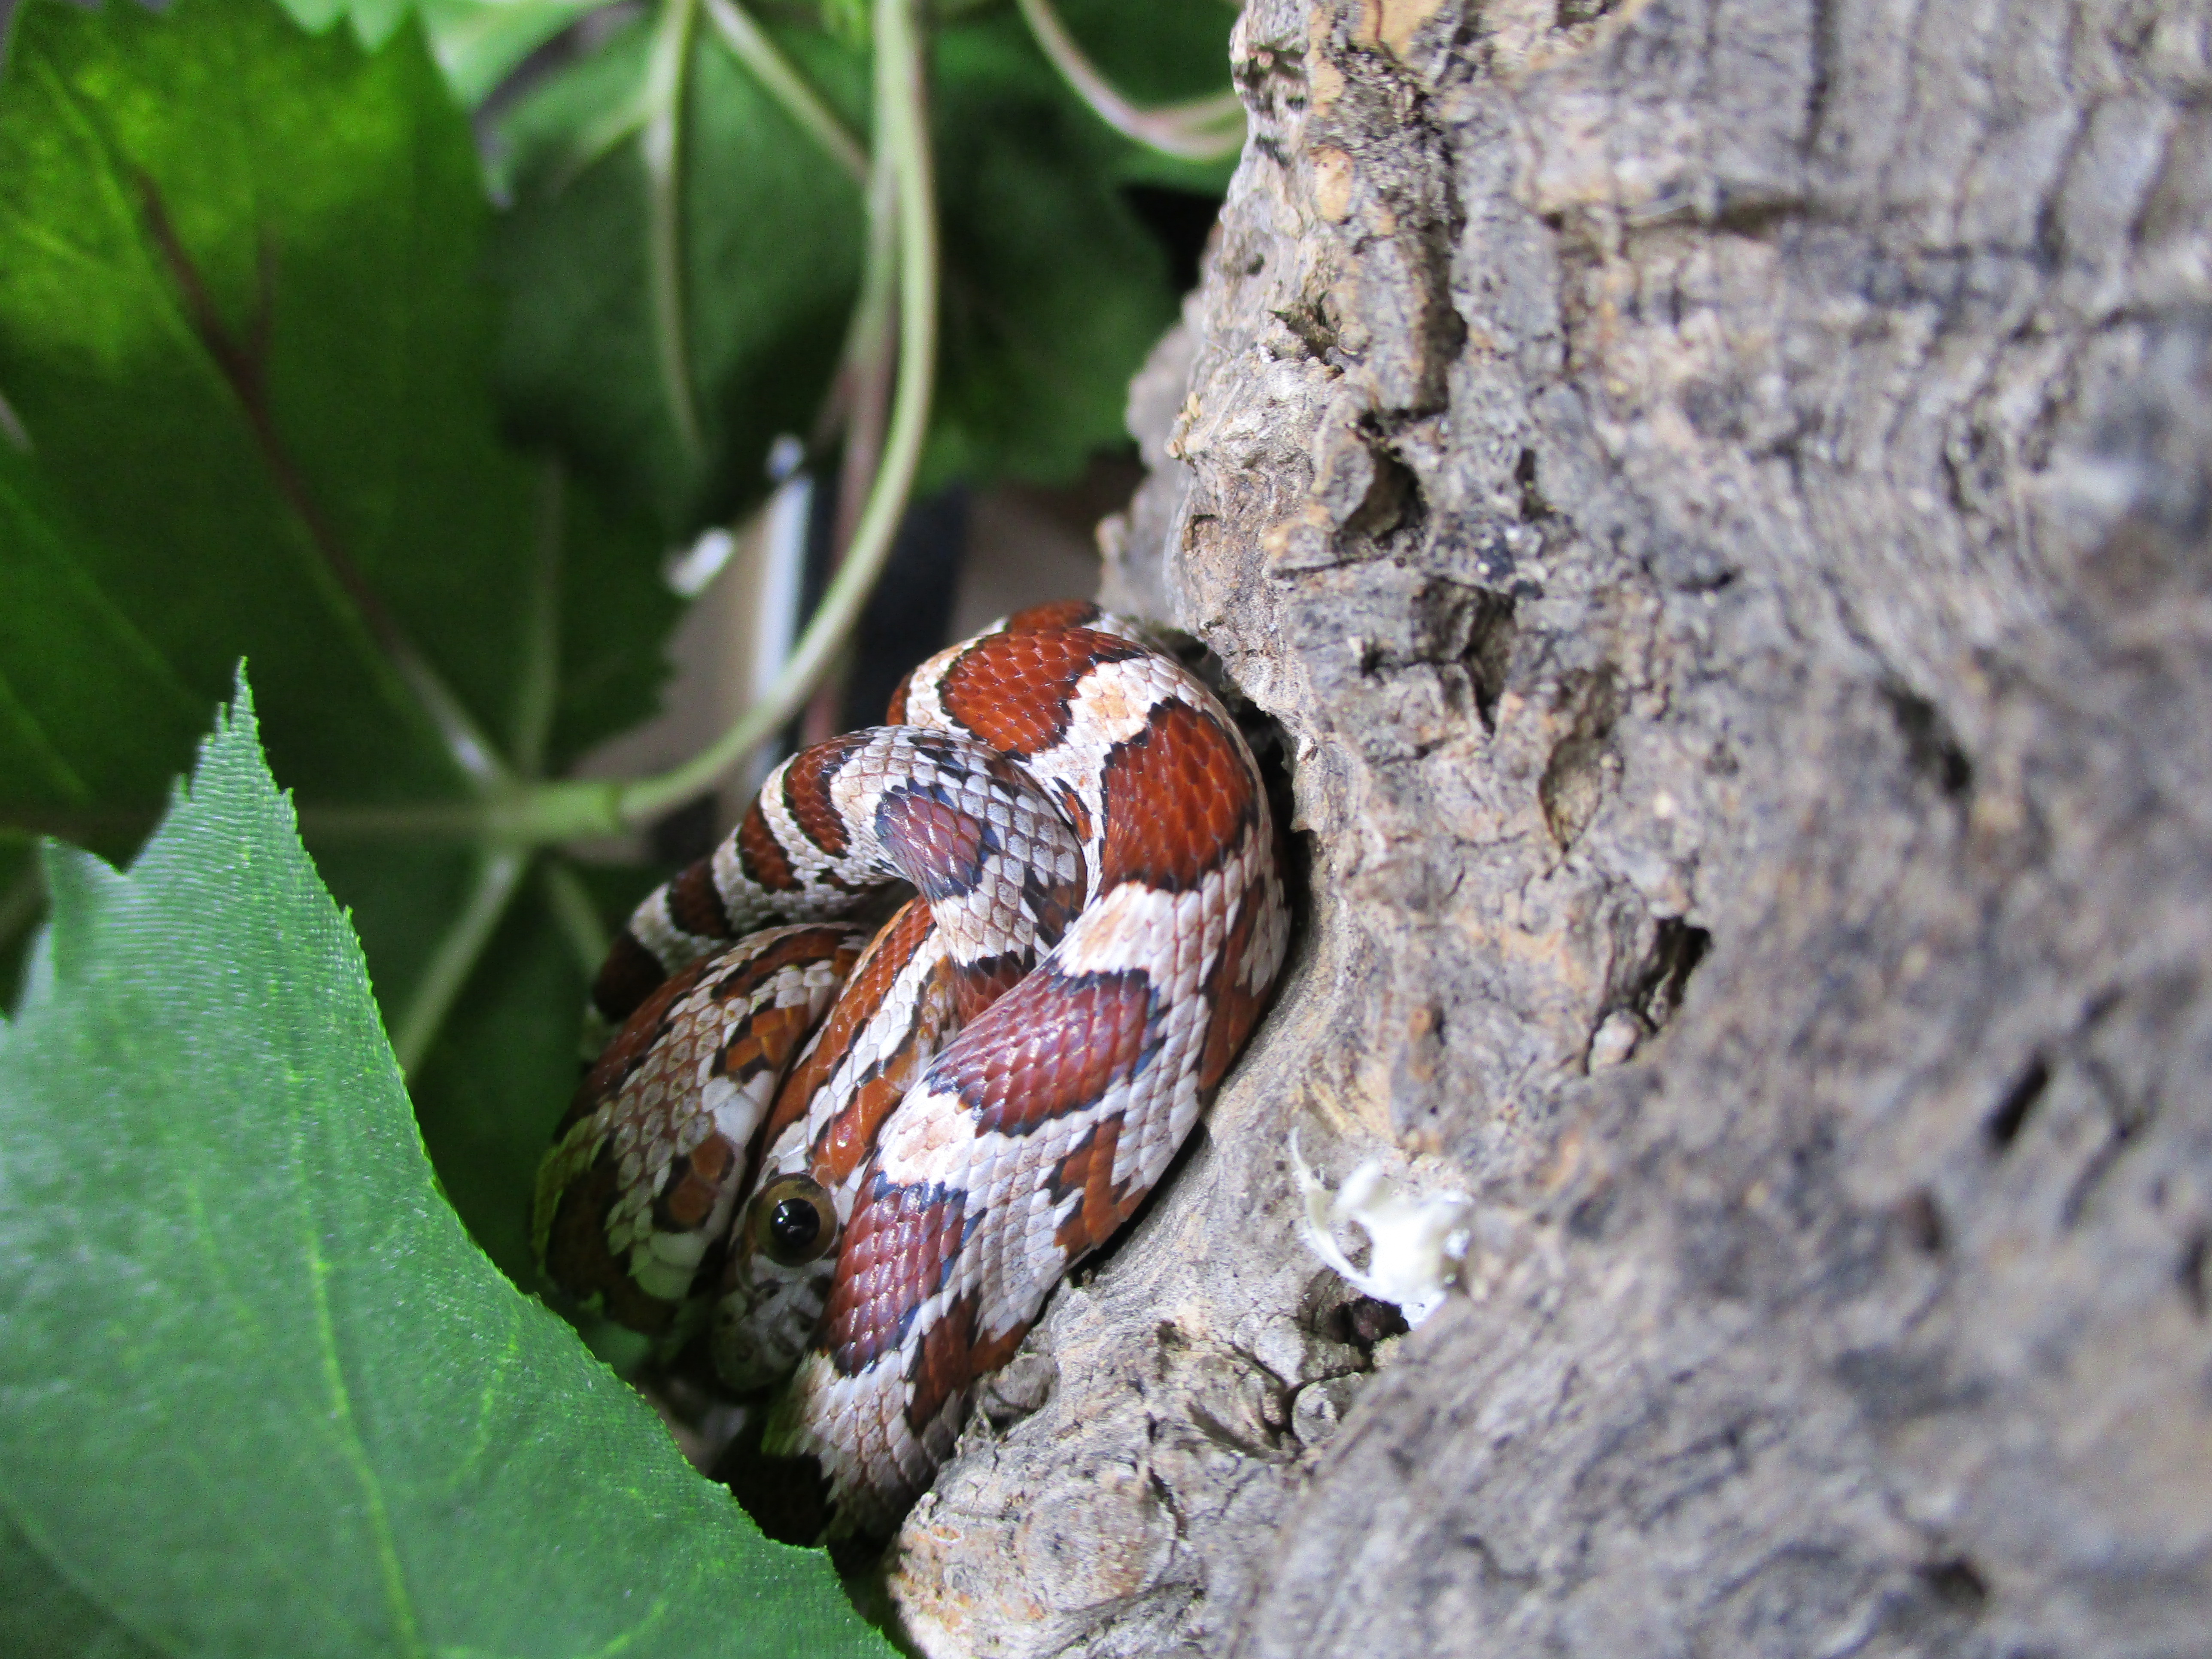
(998, 1075)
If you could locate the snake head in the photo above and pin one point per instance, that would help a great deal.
(776, 1282)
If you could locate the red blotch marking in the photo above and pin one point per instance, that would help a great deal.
(1088, 1169)
(907, 932)
(1178, 796)
(806, 791)
(1012, 689)
(644, 1028)
(736, 972)
(896, 1251)
(939, 848)
(1072, 809)
(1053, 613)
(950, 1359)
(695, 905)
(694, 1183)
(1051, 1045)
(848, 1140)
(626, 978)
(977, 985)
(765, 1040)
(761, 855)
(577, 1258)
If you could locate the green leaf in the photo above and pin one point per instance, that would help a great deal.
(43, 1616)
(773, 238)
(187, 465)
(1054, 291)
(260, 1395)
(475, 42)
(478, 42)
(197, 468)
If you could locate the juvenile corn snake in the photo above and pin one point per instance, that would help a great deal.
(868, 1219)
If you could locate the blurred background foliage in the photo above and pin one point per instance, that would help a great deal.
(397, 346)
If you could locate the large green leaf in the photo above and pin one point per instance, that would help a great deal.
(260, 1394)
(1053, 290)
(245, 336)
(245, 340)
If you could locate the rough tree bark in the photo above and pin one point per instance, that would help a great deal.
(1716, 494)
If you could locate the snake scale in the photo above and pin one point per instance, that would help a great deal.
(855, 1161)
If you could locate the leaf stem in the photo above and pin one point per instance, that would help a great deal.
(667, 68)
(498, 872)
(1204, 130)
(539, 688)
(11, 427)
(578, 916)
(749, 44)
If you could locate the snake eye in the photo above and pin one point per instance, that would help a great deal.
(793, 1221)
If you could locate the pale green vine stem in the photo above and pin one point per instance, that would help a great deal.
(502, 869)
(901, 125)
(865, 372)
(749, 44)
(499, 872)
(539, 686)
(861, 402)
(578, 916)
(667, 69)
(1205, 130)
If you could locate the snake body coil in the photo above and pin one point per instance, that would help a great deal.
(1011, 1063)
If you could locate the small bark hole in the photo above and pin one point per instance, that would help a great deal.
(2003, 1125)
(1930, 743)
(1489, 653)
(1584, 764)
(1921, 1219)
(1677, 951)
(1957, 1584)
(2191, 1273)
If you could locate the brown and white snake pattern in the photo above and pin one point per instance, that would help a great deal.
(1010, 1065)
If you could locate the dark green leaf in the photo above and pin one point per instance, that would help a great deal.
(260, 1395)
(243, 324)
(43, 1616)
(1054, 292)
(475, 42)
(243, 332)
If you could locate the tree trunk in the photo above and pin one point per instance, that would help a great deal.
(1716, 494)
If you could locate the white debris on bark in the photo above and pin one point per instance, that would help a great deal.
(1716, 494)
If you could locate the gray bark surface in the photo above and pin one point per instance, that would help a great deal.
(1716, 494)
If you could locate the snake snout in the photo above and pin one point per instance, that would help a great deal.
(765, 1318)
